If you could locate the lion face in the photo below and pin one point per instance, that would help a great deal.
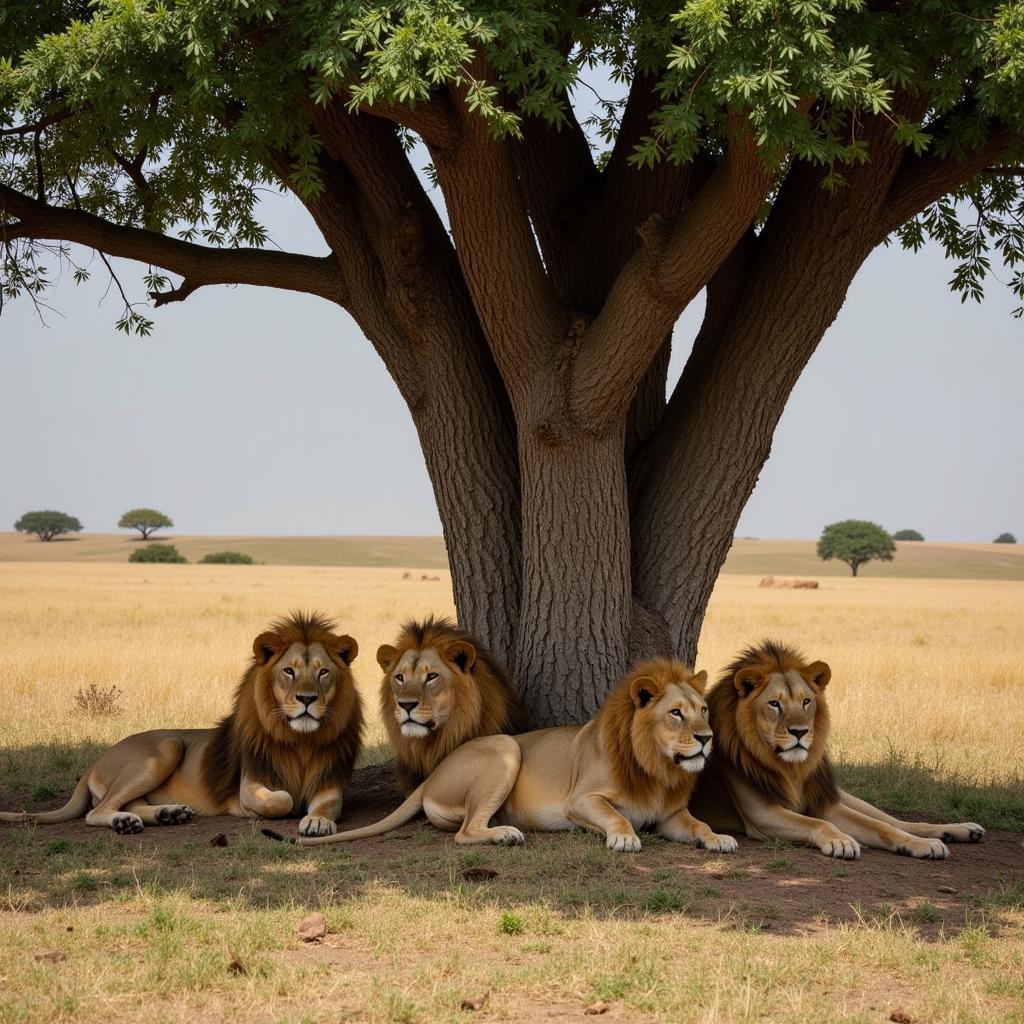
(301, 681)
(425, 685)
(672, 713)
(780, 708)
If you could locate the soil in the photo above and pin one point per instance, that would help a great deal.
(784, 890)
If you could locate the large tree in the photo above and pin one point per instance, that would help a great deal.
(762, 151)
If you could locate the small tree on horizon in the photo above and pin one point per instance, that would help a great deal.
(1005, 538)
(145, 520)
(908, 535)
(855, 541)
(47, 524)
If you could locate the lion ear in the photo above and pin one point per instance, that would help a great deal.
(817, 674)
(643, 690)
(747, 680)
(462, 654)
(267, 646)
(699, 681)
(345, 648)
(386, 656)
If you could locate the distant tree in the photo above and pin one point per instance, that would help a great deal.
(145, 520)
(908, 535)
(1005, 538)
(855, 541)
(157, 553)
(47, 524)
(226, 558)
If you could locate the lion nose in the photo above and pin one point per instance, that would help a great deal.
(407, 705)
(306, 698)
(799, 733)
(702, 738)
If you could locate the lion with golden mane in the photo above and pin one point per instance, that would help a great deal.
(287, 747)
(770, 776)
(633, 765)
(441, 688)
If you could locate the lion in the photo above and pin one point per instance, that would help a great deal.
(441, 688)
(770, 776)
(634, 764)
(289, 744)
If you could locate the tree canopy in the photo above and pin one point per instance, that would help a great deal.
(855, 542)
(908, 535)
(47, 524)
(1005, 538)
(145, 520)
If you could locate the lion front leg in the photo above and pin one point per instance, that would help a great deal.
(882, 836)
(961, 832)
(683, 827)
(596, 813)
(258, 801)
(323, 813)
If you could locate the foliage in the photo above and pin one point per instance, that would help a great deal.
(172, 116)
(94, 702)
(157, 553)
(908, 535)
(226, 558)
(855, 541)
(47, 524)
(145, 520)
(1005, 538)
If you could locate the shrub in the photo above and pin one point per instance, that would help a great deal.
(97, 703)
(855, 541)
(47, 524)
(907, 535)
(226, 558)
(1005, 538)
(145, 520)
(157, 553)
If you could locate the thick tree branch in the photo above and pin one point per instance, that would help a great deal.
(675, 262)
(923, 180)
(199, 265)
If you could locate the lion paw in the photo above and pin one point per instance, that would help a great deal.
(511, 837)
(966, 832)
(627, 843)
(840, 846)
(124, 823)
(926, 849)
(311, 825)
(719, 844)
(175, 814)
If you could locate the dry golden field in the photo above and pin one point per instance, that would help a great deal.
(927, 678)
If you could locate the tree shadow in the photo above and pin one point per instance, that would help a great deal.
(764, 887)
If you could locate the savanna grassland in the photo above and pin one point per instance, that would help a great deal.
(927, 675)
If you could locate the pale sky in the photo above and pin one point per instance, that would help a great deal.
(252, 411)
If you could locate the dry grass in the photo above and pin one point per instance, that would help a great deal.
(930, 670)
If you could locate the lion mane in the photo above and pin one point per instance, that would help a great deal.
(639, 769)
(253, 740)
(484, 701)
(808, 787)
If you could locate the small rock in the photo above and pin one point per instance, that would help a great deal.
(236, 966)
(313, 928)
(475, 1003)
(51, 956)
(219, 840)
(70, 928)
(477, 872)
(595, 1008)
(901, 1017)
(949, 889)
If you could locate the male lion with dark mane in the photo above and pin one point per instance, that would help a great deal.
(289, 744)
(770, 776)
(441, 688)
(634, 764)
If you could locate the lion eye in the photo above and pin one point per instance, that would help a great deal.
(323, 672)
(431, 676)
(774, 704)
(399, 678)
(704, 712)
(677, 712)
(290, 673)
(807, 700)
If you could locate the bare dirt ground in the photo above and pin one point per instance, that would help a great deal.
(772, 887)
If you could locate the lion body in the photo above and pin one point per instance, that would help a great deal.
(471, 690)
(289, 744)
(633, 765)
(770, 777)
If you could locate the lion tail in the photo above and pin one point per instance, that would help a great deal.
(74, 808)
(404, 813)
